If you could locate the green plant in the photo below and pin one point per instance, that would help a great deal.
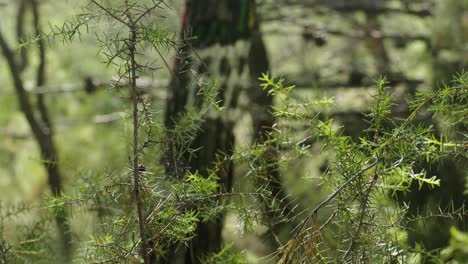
(365, 224)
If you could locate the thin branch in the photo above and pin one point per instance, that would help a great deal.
(21, 93)
(20, 35)
(97, 119)
(106, 10)
(334, 194)
(40, 73)
(143, 85)
(372, 183)
(136, 172)
(147, 11)
(291, 246)
(169, 68)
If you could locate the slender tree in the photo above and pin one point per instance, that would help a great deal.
(37, 115)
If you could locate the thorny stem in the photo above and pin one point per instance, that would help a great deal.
(109, 13)
(131, 24)
(303, 226)
(334, 194)
(372, 183)
(136, 172)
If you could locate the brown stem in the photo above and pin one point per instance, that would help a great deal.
(136, 172)
(362, 212)
(335, 193)
(40, 74)
(20, 36)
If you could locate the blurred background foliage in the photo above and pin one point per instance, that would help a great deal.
(326, 48)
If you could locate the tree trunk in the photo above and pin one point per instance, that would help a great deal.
(219, 27)
(263, 123)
